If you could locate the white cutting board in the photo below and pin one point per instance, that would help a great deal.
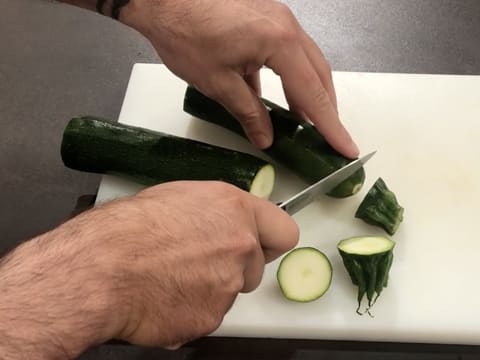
(426, 129)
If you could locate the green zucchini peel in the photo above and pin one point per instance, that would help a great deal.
(380, 208)
(368, 260)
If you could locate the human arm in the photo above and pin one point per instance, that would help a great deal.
(219, 47)
(160, 268)
(86, 4)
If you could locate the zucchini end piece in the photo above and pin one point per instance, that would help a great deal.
(380, 208)
(368, 260)
(350, 186)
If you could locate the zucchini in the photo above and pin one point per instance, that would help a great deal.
(380, 208)
(368, 260)
(297, 144)
(304, 274)
(98, 145)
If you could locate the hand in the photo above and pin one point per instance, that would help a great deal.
(160, 268)
(219, 47)
(204, 243)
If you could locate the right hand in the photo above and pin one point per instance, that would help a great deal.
(159, 268)
(184, 251)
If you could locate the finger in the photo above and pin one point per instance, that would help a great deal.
(303, 87)
(241, 101)
(253, 80)
(253, 271)
(319, 63)
(298, 111)
(321, 66)
(277, 231)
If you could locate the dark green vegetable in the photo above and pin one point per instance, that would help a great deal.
(149, 157)
(368, 260)
(297, 144)
(380, 208)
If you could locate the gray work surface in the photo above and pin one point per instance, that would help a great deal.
(57, 61)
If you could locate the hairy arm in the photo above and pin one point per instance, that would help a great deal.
(54, 296)
(156, 269)
(87, 4)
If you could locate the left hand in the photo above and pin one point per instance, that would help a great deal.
(219, 47)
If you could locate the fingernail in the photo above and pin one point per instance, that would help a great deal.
(354, 149)
(261, 140)
(173, 347)
(350, 148)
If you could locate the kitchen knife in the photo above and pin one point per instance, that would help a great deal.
(306, 196)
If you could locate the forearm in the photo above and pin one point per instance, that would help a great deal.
(52, 304)
(138, 14)
(101, 6)
(87, 4)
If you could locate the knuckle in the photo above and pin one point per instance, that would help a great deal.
(288, 32)
(226, 191)
(241, 206)
(309, 77)
(245, 244)
(212, 322)
(211, 91)
(284, 11)
(213, 85)
(222, 188)
(320, 97)
(250, 118)
(287, 36)
(236, 284)
(231, 280)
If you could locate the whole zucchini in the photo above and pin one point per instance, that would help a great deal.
(297, 144)
(368, 260)
(98, 145)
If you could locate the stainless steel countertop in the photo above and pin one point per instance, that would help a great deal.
(58, 61)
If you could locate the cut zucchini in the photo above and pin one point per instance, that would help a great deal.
(304, 274)
(368, 260)
(297, 144)
(380, 208)
(98, 145)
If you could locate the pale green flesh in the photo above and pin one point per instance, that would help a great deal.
(366, 245)
(262, 184)
(304, 274)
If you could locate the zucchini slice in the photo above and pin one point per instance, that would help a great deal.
(297, 144)
(380, 208)
(368, 260)
(98, 145)
(304, 274)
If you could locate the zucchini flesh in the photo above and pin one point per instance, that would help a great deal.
(380, 208)
(297, 144)
(368, 260)
(98, 145)
(304, 274)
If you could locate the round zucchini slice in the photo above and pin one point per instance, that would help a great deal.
(304, 274)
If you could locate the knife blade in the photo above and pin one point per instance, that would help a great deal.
(306, 196)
